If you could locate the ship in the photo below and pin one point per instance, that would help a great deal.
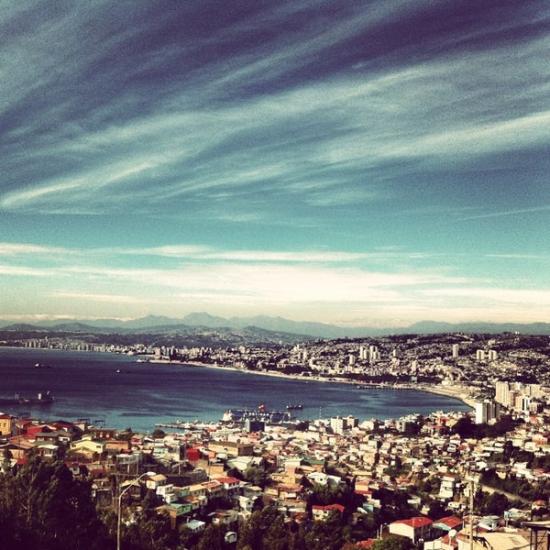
(294, 407)
(41, 366)
(41, 399)
(262, 414)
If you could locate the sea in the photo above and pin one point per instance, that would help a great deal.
(119, 392)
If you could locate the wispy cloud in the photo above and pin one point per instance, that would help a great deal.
(345, 136)
(261, 156)
(94, 297)
(512, 212)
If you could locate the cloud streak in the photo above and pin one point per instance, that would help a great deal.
(271, 153)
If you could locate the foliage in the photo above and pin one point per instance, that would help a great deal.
(517, 486)
(437, 510)
(325, 535)
(43, 506)
(493, 504)
(393, 542)
(212, 539)
(256, 475)
(467, 429)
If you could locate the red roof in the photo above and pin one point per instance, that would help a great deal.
(450, 521)
(228, 480)
(367, 543)
(329, 507)
(416, 522)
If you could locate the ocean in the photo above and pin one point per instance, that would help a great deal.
(87, 385)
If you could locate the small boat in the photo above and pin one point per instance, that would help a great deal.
(41, 366)
(118, 371)
(295, 407)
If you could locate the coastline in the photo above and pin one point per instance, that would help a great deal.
(459, 393)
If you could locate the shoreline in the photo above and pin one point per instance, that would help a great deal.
(460, 393)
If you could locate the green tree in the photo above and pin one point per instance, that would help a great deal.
(393, 542)
(212, 538)
(496, 504)
(45, 507)
(276, 536)
(325, 535)
(437, 510)
(256, 475)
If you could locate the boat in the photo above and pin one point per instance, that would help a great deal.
(41, 366)
(42, 399)
(118, 371)
(262, 414)
(294, 407)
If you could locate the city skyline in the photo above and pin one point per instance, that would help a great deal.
(370, 165)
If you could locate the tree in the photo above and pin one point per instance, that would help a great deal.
(212, 538)
(44, 507)
(325, 535)
(256, 475)
(276, 536)
(437, 510)
(393, 542)
(496, 504)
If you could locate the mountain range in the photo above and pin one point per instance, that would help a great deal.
(160, 324)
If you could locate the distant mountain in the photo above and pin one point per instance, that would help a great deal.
(168, 335)
(21, 327)
(206, 320)
(158, 324)
(430, 327)
(149, 321)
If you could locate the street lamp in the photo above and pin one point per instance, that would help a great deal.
(134, 482)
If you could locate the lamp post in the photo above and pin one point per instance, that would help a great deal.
(121, 494)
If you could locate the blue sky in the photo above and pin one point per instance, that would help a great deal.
(371, 163)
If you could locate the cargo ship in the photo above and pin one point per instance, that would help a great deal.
(18, 399)
(261, 413)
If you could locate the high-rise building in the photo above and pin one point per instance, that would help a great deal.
(480, 355)
(486, 411)
(455, 350)
(492, 355)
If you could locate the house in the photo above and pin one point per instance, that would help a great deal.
(155, 481)
(231, 448)
(195, 526)
(448, 486)
(176, 512)
(88, 448)
(322, 513)
(115, 446)
(6, 424)
(414, 528)
(448, 523)
(224, 517)
(493, 541)
(47, 450)
(230, 484)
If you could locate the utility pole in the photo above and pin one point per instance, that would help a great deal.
(471, 489)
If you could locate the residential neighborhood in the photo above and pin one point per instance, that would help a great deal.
(440, 482)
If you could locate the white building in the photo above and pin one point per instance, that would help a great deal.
(486, 411)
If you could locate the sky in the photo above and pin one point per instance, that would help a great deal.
(366, 163)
